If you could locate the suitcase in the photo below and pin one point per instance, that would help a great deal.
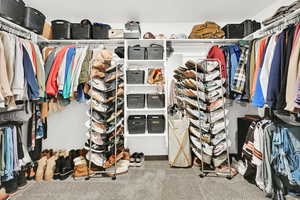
(136, 124)
(155, 52)
(136, 53)
(34, 20)
(13, 10)
(80, 31)
(135, 76)
(136, 100)
(156, 123)
(234, 31)
(155, 100)
(100, 31)
(61, 29)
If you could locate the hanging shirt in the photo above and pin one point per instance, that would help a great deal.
(68, 72)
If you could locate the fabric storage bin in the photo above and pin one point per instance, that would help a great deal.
(100, 31)
(116, 34)
(136, 124)
(250, 26)
(156, 123)
(34, 20)
(233, 31)
(155, 100)
(155, 52)
(135, 76)
(13, 10)
(136, 100)
(136, 53)
(80, 31)
(61, 29)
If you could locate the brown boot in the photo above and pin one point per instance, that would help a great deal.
(42, 163)
(49, 172)
(80, 167)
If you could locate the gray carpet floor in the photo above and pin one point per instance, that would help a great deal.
(154, 181)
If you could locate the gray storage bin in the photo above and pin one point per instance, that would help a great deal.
(136, 53)
(155, 100)
(155, 52)
(156, 123)
(136, 124)
(135, 76)
(136, 100)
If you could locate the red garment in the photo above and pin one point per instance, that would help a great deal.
(217, 53)
(33, 57)
(51, 85)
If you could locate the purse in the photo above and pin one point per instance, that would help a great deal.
(116, 34)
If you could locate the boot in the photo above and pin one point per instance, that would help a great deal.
(42, 163)
(49, 172)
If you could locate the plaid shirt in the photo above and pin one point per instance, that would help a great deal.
(239, 81)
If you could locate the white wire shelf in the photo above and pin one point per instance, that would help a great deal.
(143, 85)
(146, 134)
(108, 41)
(145, 61)
(146, 109)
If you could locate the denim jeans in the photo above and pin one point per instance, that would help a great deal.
(286, 153)
(9, 161)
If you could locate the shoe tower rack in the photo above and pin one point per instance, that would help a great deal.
(206, 120)
(151, 144)
(113, 144)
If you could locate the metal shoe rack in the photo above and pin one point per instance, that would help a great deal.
(112, 146)
(207, 119)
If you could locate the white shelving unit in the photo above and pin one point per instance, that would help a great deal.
(154, 144)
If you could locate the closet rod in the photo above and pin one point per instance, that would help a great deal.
(285, 20)
(15, 29)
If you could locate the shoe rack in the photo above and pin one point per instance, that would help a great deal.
(151, 144)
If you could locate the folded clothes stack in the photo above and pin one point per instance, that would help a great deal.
(207, 30)
(105, 124)
(201, 91)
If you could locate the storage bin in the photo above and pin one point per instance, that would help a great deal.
(100, 31)
(155, 100)
(136, 53)
(156, 123)
(136, 124)
(34, 20)
(234, 31)
(80, 31)
(136, 100)
(135, 76)
(13, 10)
(155, 52)
(61, 29)
(250, 26)
(116, 34)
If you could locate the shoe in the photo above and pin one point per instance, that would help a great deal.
(193, 102)
(139, 160)
(132, 159)
(206, 158)
(219, 126)
(95, 147)
(218, 138)
(3, 194)
(96, 73)
(98, 83)
(205, 147)
(120, 104)
(113, 127)
(100, 107)
(30, 172)
(97, 127)
(113, 68)
(204, 136)
(112, 160)
(95, 158)
(113, 76)
(42, 163)
(221, 147)
(49, 172)
(217, 115)
(21, 179)
(10, 186)
(190, 64)
(96, 138)
(80, 167)
(97, 116)
(219, 160)
(197, 114)
(118, 132)
(66, 169)
(120, 169)
(126, 154)
(120, 93)
(216, 105)
(58, 167)
(114, 115)
(97, 95)
(207, 66)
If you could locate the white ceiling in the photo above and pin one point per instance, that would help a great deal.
(120, 11)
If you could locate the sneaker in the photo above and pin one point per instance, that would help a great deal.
(97, 127)
(219, 126)
(99, 106)
(193, 102)
(95, 147)
(97, 95)
(66, 169)
(113, 127)
(96, 73)
(213, 85)
(113, 76)
(114, 115)
(205, 147)
(95, 138)
(96, 116)
(58, 167)
(132, 159)
(112, 160)
(219, 160)
(10, 186)
(221, 147)
(206, 158)
(204, 126)
(207, 66)
(95, 158)
(217, 115)
(113, 68)
(216, 105)
(120, 104)
(205, 77)
(139, 160)
(120, 169)
(218, 138)
(197, 114)
(98, 83)
(204, 137)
